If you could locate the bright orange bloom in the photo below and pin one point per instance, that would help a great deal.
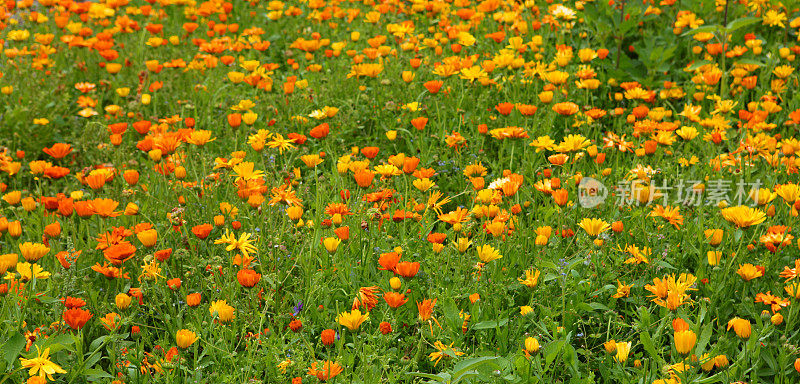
(407, 269)
(76, 318)
(329, 370)
(104, 207)
(58, 150)
(395, 299)
(119, 253)
(248, 278)
(566, 108)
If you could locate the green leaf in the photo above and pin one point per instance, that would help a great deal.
(93, 359)
(58, 343)
(467, 365)
(490, 324)
(647, 343)
(12, 347)
(705, 336)
(741, 23)
(440, 377)
(97, 343)
(750, 62)
(589, 307)
(706, 28)
(552, 350)
(95, 374)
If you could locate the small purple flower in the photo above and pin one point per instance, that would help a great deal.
(297, 308)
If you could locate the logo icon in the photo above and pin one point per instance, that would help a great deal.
(591, 192)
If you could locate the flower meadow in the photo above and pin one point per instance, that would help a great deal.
(392, 191)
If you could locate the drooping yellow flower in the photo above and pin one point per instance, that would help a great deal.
(472, 73)
(573, 143)
(442, 351)
(685, 341)
(762, 196)
(244, 244)
(531, 278)
(531, 345)
(30, 271)
(41, 364)
(365, 70)
(200, 137)
(594, 227)
(487, 253)
(623, 290)
(352, 320)
(623, 350)
(246, 171)
(742, 327)
(32, 252)
(185, 338)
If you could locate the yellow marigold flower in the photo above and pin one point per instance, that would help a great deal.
(487, 253)
(222, 311)
(32, 252)
(41, 364)
(685, 341)
(352, 320)
(594, 227)
(743, 216)
(531, 278)
(185, 338)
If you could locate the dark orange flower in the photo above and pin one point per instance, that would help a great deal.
(83, 208)
(407, 268)
(364, 178)
(193, 299)
(56, 172)
(73, 302)
(433, 86)
(104, 207)
(419, 123)
(174, 284)
(328, 337)
(248, 278)
(109, 272)
(388, 261)
(119, 253)
(163, 255)
(366, 297)
(320, 131)
(76, 318)
(202, 231)
(58, 150)
(370, 152)
(395, 299)
(66, 259)
(504, 108)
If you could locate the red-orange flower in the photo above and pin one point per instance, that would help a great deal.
(202, 231)
(407, 268)
(395, 299)
(248, 278)
(388, 261)
(119, 253)
(58, 150)
(104, 207)
(76, 318)
(328, 337)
